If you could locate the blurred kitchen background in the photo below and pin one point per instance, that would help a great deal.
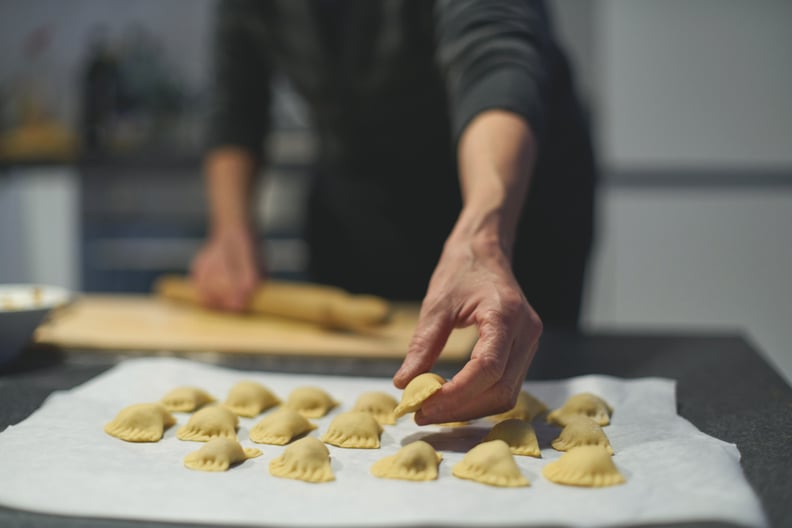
(102, 116)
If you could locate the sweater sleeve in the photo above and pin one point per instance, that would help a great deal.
(240, 98)
(494, 55)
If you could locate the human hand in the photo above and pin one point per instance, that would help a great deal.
(473, 284)
(225, 269)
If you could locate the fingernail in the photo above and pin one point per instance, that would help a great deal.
(401, 372)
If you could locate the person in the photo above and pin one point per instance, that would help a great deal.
(434, 121)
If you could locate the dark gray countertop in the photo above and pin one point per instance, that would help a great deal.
(724, 387)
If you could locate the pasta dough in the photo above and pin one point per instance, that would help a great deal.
(581, 431)
(380, 405)
(353, 430)
(210, 422)
(248, 398)
(311, 402)
(280, 427)
(307, 459)
(491, 463)
(142, 422)
(415, 461)
(417, 391)
(219, 454)
(527, 408)
(583, 404)
(519, 435)
(589, 466)
(186, 399)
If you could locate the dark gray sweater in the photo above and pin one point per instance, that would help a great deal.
(390, 86)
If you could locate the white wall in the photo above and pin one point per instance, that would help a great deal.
(696, 259)
(692, 85)
(696, 82)
(39, 236)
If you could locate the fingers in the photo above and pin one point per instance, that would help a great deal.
(431, 333)
(490, 381)
(485, 367)
(497, 398)
(242, 279)
(225, 274)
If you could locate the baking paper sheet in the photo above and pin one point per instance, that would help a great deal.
(60, 461)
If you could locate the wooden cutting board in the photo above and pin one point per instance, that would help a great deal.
(147, 323)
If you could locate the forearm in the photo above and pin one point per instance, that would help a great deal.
(496, 155)
(229, 173)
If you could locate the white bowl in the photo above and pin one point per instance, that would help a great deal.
(22, 308)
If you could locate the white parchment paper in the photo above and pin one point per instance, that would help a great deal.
(60, 461)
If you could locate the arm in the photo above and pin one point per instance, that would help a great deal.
(225, 270)
(496, 81)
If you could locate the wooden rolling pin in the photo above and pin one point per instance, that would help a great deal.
(323, 305)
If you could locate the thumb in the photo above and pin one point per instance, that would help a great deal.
(428, 340)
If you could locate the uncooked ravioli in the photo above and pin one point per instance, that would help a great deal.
(311, 402)
(356, 430)
(588, 466)
(280, 427)
(219, 454)
(491, 463)
(581, 431)
(249, 399)
(142, 422)
(210, 422)
(519, 435)
(307, 459)
(186, 399)
(527, 408)
(416, 461)
(583, 404)
(418, 391)
(380, 405)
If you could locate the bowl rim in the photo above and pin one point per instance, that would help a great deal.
(59, 296)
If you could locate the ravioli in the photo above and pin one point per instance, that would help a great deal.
(418, 391)
(588, 466)
(210, 422)
(519, 435)
(219, 454)
(142, 422)
(249, 399)
(491, 463)
(311, 402)
(307, 459)
(380, 405)
(415, 461)
(186, 399)
(280, 427)
(581, 431)
(527, 408)
(583, 404)
(355, 430)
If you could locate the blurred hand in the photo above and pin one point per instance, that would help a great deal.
(473, 285)
(225, 271)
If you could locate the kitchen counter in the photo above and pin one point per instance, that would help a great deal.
(724, 387)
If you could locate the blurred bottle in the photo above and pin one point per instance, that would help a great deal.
(101, 88)
(35, 132)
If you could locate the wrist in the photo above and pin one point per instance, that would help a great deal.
(485, 231)
(229, 175)
(230, 227)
